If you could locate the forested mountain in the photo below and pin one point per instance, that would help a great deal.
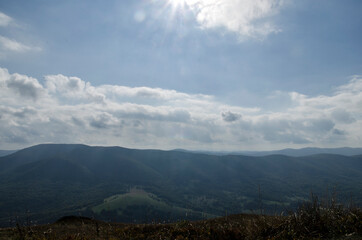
(6, 152)
(346, 151)
(47, 181)
(301, 152)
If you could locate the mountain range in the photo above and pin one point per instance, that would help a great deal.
(45, 182)
(6, 152)
(346, 151)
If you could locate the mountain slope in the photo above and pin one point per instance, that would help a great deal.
(345, 151)
(54, 180)
(6, 152)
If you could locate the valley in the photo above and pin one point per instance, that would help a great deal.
(45, 182)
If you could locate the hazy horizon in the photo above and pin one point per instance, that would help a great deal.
(245, 151)
(236, 75)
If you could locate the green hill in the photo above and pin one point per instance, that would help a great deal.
(48, 181)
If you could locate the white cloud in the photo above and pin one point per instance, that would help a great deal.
(8, 45)
(355, 85)
(13, 45)
(342, 116)
(73, 87)
(247, 18)
(64, 84)
(22, 85)
(71, 110)
(5, 20)
(142, 92)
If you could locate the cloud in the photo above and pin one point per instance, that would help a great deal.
(5, 20)
(354, 85)
(22, 113)
(338, 132)
(147, 93)
(25, 86)
(102, 120)
(247, 18)
(342, 116)
(73, 87)
(22, 85)
(12, 45)
(230, 117)
(8, 45)
(64, 84)
(71, 110)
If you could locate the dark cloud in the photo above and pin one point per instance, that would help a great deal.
(98, 123)
(24, 112)
(321, 125)
(230, 117)
(101, 121)
(78, 121)
(339, 132)
(137, 123)
(25, 86)
(146, 113)
(342, 116)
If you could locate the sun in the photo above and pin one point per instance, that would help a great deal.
(179, 11)
(177, 5)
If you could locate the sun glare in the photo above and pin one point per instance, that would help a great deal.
(177, 5)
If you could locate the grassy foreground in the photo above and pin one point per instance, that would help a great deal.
(310, 221)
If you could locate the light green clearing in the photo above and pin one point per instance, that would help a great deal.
(138, 197)
(122, 201)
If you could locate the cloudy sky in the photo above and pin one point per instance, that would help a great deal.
(192, 74)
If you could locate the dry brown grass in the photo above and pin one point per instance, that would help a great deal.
(312, 220)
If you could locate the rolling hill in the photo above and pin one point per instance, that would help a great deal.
(6, 152)
(301, 152)
(45, 182)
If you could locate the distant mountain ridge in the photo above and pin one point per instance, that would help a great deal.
(52, 180)
(6, 152)
(345, 151)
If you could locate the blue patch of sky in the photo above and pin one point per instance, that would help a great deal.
(318, 48)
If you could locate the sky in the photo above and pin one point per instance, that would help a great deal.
(227, 75)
